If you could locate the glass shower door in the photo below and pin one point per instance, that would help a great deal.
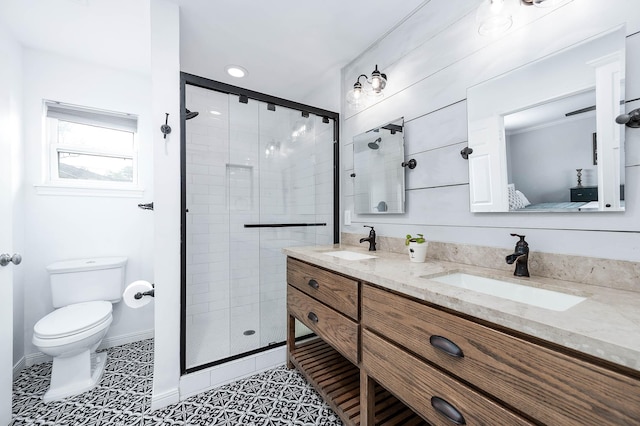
(259, 177)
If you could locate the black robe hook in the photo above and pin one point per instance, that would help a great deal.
(165, 128)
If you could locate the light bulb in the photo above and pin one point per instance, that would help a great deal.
(354, 97)
(493, 17)
(496, 5)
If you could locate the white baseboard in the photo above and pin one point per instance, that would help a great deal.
(18, 367)
(36, 358)
(123, 339)
(107, 342)
(165, 399)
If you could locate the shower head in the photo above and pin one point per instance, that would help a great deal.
(375, 144)
(191, 115)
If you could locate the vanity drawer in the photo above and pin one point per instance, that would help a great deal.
(420, 386)
(333, 327)
(547, 385)
(341, 293)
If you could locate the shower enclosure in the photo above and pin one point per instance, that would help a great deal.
(258, 174)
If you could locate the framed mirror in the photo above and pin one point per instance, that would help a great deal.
(544, 135)
(378, 173)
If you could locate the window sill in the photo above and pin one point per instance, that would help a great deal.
(88, 190)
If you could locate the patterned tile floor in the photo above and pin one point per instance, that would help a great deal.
(123, 397)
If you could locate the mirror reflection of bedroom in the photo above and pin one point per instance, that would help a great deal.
(552, 159)
(544, 136)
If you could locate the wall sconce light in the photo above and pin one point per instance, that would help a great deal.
(378, 82)
(494, 17)
(631, 120)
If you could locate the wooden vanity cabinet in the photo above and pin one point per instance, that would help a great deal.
(379, 352)
(329, 304)
(545, 385)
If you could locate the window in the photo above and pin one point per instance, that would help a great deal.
(91, 148)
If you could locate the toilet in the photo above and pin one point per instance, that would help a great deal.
(83, 291)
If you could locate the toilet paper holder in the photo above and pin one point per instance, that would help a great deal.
(140, 295)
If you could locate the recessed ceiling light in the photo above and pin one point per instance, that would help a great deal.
(214, 112)
(236, 71)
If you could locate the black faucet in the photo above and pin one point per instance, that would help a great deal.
(371, 238)
(520, 257)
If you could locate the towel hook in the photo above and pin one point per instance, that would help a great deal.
(165, 128)
(148, 206)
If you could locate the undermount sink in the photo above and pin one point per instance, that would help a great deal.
(547, 299)
(349, 255)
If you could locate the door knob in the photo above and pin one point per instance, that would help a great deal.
(6, 258)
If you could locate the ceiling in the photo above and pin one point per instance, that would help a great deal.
(108, 32)
(552, 112)
(289, 47)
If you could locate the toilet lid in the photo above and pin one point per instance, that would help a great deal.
(72, 319)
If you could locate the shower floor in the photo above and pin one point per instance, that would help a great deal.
(221, 334)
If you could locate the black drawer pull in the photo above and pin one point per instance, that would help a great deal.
(313, 284)
(313, 317)
(447, 410)
(446, 345)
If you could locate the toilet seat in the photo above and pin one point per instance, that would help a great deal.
(73, 320)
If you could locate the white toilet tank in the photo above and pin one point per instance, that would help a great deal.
(85, 280)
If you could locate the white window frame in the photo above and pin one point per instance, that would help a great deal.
(54, 185)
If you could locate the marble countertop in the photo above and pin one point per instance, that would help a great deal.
(605, 325)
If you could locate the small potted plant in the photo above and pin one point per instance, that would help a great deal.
(417, 247)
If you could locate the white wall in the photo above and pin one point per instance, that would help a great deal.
(61, 227)
(326, 93)
(165, 98)
(431, 60)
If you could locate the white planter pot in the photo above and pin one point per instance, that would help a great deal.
(417, 252)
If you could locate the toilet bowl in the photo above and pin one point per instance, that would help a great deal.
(83, 291)
(71, 335)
